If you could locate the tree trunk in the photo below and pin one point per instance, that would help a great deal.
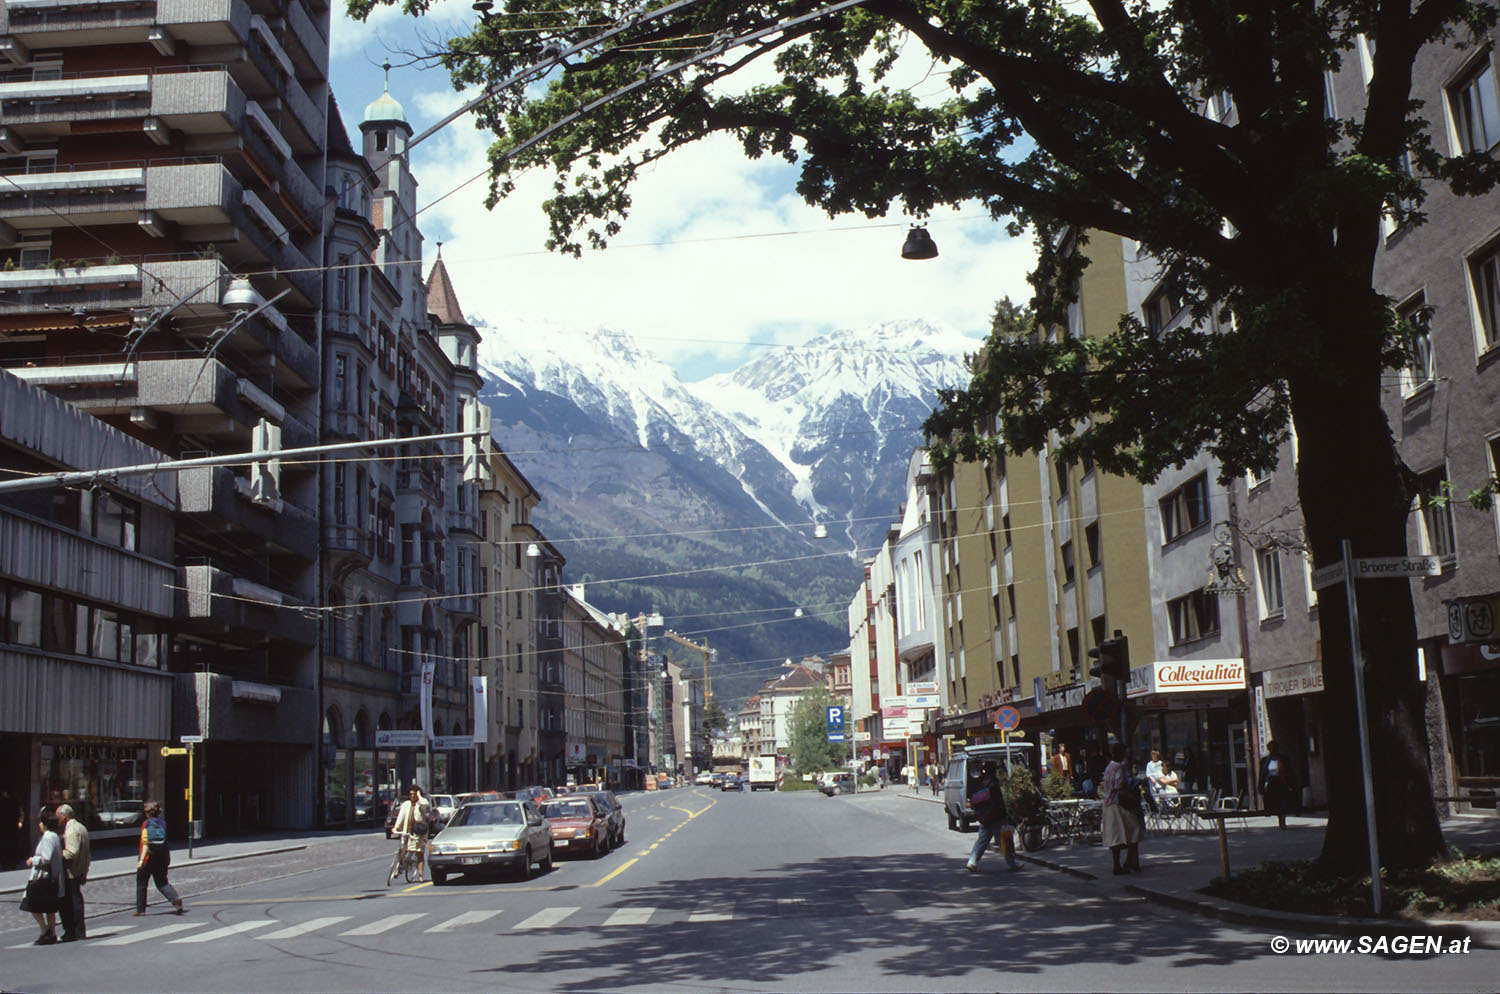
(1352, 485)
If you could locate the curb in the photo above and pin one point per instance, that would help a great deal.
(203, 861)
(1488, 933)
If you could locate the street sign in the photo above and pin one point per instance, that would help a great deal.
(1327, 576)
(1100, 705)
(1472, 619)
(837, 737)
(169, 751)
(1007, 718)
(390, 738)
(186, 739)
(835, 719)
(1379, 567)
(443, 743)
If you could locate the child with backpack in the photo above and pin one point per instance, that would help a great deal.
(155, 858)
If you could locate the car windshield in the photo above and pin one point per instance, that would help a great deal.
(504, 813)
(568, 809)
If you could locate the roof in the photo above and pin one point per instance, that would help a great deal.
(385, 108)
(441, 300)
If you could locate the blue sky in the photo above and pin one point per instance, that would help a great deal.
(718, 259)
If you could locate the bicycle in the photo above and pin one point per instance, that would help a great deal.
(404, 863)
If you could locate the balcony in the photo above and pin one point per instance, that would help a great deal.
(465, 604)
(419, 576)
(310, 38)
(236, 710)
(349, 540)
(58, 23)
(234, 609)
(63, 559)
(218, 496)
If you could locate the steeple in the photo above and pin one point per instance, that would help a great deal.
(442, 302)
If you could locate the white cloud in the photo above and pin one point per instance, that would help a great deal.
(718, 251)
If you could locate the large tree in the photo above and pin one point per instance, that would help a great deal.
(807, 734)
(1065, 117)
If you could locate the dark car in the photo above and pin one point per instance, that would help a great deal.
(615, 811)
(579, 825)
(731, 781)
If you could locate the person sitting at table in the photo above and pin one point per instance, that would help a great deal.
(1167, 782)
(1153, 768)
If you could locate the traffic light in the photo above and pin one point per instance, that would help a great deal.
(1112, 658)
(478, 447)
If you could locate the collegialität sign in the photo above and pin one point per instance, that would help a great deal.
(1181, 676)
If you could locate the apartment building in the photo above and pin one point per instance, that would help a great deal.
(86, 602)
(161, 225)
(548, 764)
(506, 653)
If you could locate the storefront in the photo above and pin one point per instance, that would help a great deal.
(1289, 709)
(1470, 683)
(953, 732)
(107, 781)
(1195, 713)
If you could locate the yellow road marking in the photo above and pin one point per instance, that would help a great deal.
(612, 874)
(408, 890)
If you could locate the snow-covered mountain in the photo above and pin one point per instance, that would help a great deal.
(664, 477)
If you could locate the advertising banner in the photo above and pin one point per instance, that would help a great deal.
(480, 691)
(1186, 676)
(429, 670)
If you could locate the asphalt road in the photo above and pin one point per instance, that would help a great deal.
(712, 892)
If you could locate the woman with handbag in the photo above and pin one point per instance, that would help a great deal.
(45, 889)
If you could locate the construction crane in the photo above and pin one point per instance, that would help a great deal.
(708, 685)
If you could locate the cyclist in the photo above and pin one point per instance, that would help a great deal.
(411, 825)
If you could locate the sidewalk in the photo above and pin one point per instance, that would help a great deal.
(114, 859)
(1177, 865)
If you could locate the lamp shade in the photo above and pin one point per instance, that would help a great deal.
(919, 245)
(241, 295)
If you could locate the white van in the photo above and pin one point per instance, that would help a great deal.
(963, 770)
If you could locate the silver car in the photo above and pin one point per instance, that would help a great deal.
(491, 835)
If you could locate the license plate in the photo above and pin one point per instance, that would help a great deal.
(560, 842)
(470, 860)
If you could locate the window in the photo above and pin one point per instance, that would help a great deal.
(1484, 273)
(1069, 570)
(1476, 112)
(1269, 590)
(1062, 480)
(1436, 521)
(1367, 57)
(1220, 104)
(1193, 617)
(341, 383)
(1417, 372)
(1160, 309)
(1185, 508)
(1091, 540)
(340, 498)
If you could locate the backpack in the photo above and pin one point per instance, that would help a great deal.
(156, 833)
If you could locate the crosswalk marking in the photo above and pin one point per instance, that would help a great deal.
(384, 924)
(545, 918)
(227, 930)
(302, 928)
(630, 916)
(150, 933)
(467, 918)
(710, 916)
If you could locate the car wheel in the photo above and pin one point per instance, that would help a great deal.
(547, 860)
(952, 823)
(439, 877)
(526, 866)
(963, 824)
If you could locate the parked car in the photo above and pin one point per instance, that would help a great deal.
(836, 783)
(122, 814)
(579, 824)
(534, 794)
(443, 806)
(963, 771)
(615, 811)
(731, 781)
(704, 779)
(492, 835)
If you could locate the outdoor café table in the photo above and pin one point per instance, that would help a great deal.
(1219, 818)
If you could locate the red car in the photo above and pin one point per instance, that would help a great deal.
(579, 824)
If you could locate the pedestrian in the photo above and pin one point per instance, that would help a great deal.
(154, 859)
(12, 824)
(46, 890)
(1123, 825)
(1276, 782)
(1062, 763)
(411, 825)
(1087, 785)
(75, 851)
(989, 806)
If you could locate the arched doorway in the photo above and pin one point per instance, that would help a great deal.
(334, 771)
